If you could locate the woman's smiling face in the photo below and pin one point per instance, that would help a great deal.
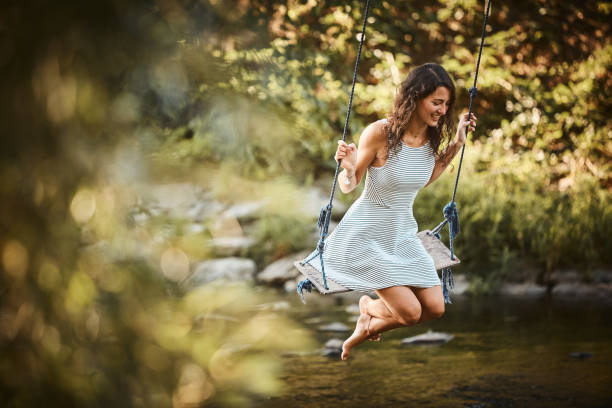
(435, 105)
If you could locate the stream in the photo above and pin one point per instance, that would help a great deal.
(506, 352)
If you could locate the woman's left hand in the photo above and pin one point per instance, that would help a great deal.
(463, 124)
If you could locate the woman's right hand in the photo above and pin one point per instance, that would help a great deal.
(348, 154)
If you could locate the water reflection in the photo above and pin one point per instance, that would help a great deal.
(507, 352)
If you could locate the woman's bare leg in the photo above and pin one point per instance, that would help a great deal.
(359, 335)
(404, 308)
(432, 302)
(401, 308)
(374, 308)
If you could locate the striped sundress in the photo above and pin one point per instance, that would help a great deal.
(375, 244)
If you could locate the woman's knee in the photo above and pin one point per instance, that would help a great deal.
(402, 303)
(409, 314)
(434, 311)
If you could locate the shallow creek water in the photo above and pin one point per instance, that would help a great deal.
(507, 352)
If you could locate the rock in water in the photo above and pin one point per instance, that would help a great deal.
(335, 327)
(581, 355)
(333, 348)
(429, 338)
(334, 343)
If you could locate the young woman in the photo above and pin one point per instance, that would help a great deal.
(375, 247)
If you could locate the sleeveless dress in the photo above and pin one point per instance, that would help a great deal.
(375, 244)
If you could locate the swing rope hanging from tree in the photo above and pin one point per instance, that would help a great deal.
(443, 257)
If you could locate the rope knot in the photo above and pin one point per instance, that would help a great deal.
(324, 218)
(306, 284)
(452, 216)
(321, 245)
(473, 92)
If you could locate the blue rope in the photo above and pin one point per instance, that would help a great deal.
(323, 270)
(448, 283)
(305, 284)
(451, 216)
(325, 215)
(473, 90)
(450, 210)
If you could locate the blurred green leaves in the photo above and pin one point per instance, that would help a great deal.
(93, 311)
(246, 100)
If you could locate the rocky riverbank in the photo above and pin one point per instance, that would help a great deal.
(227, 242)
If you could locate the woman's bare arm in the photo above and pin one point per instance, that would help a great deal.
(453, 148)
(372, 140)
(449, 154)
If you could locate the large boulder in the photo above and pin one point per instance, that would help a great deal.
(230, 269)
(230, 246)
(314, 199)
(523, 289)
(202, 209)
(582, 290)
(565, 276)
(282, 270)
(176, 200)
(245, 211)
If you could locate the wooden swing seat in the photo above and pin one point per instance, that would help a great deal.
(435, 248)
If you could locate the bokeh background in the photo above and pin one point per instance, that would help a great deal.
(142, 139)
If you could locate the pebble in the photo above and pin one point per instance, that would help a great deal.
(334, 327)
(334, 343)
(581, 355)
(429, 338)
(333, 348)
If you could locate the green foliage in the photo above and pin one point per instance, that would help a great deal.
(280, 236)
(94, 307)
(248, 98)
(544, 140)
(513, 225)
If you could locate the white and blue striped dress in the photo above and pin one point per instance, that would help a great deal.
(375, 244)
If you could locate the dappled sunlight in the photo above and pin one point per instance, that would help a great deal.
(15, 259)
(156, 160)
(83, 206)
(175, 264)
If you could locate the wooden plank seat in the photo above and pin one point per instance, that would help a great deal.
(434, 247)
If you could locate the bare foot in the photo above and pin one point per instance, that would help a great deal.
(363, 309)
(359, 335)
